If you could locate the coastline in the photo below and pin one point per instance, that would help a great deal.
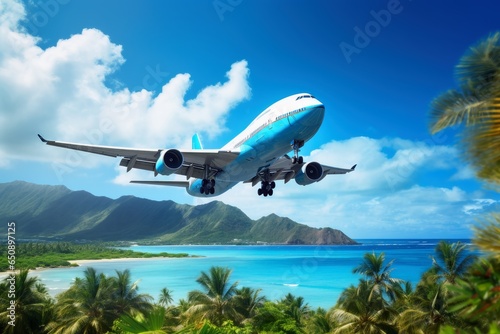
(120, 259)
(79, 263)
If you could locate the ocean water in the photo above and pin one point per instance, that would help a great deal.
(317, 273)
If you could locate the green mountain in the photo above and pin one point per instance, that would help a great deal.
(42, 211)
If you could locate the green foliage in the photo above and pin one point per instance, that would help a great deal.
(97, 303)
(152, 323)
(274, 317)
(477, 296)
(31, 308)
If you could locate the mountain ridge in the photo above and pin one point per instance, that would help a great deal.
(46, 211)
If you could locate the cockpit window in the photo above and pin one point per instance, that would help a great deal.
(304, 96)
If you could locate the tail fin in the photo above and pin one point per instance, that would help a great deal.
(196, 142)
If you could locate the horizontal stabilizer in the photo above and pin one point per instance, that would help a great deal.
(183, 184)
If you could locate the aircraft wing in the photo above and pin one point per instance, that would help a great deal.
(327, 170)
(284, 169)
(195, 161)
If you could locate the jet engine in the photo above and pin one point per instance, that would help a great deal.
(310, 173)
(169, 161)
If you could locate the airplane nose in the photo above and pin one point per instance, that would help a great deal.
(315, 114)
(310, 118)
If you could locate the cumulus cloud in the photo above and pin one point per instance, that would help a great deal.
(382, 195)
(61, 92)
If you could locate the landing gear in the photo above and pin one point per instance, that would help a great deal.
(266, 188)
(207, 187)
(296, 145)
(208, 183)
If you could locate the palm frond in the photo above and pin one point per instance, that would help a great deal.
(486, 235)
(480, 66)
(453, 108)
(482, 142)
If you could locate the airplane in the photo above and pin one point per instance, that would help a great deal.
(258, 154)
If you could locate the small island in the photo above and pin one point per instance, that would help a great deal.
(37, 255)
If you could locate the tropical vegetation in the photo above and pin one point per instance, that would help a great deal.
(475, 109)
(452, 296)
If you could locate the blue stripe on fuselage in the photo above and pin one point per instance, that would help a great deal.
(265, 146)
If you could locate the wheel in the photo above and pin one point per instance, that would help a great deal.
(294, 160)
(301, 160)
(273, 185)
(259, 191)
(203, 182)
(202, 190)
(270, 192)
(212, 191)
(265, 193)
(207, 191)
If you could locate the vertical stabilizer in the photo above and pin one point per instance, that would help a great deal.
(196, 142)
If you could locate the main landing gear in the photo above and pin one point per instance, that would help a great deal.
(296, 145)
(266, 188)
(207, 187)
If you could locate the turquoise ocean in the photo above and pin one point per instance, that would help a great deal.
(317, 273)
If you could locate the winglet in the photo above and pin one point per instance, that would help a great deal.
(354, 167)
(42, 139)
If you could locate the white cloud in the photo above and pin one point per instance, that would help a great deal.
(385, 164)
(61, 92)
(478, 205)
(382, 196)
(11, 12)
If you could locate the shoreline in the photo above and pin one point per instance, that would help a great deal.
(79, 263)
(119, 259)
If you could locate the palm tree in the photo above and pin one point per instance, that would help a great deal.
(247, 301)
(126, 295)
(165, 297)
(378, 274)
(476, 295)
(31, 304)
(88, 306)
(215, 303)
(320, 322)
(427, 310)
(358, 310)
(296, 308)
(477, 105)
(452, 260)
(151, 323)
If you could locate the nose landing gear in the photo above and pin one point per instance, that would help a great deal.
(207, 187)
(296, 145)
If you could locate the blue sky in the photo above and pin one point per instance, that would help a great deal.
(151, 73)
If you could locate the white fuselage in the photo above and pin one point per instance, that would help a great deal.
(267, 138)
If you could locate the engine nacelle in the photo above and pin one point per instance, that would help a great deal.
(169, 161)
(310, 173)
